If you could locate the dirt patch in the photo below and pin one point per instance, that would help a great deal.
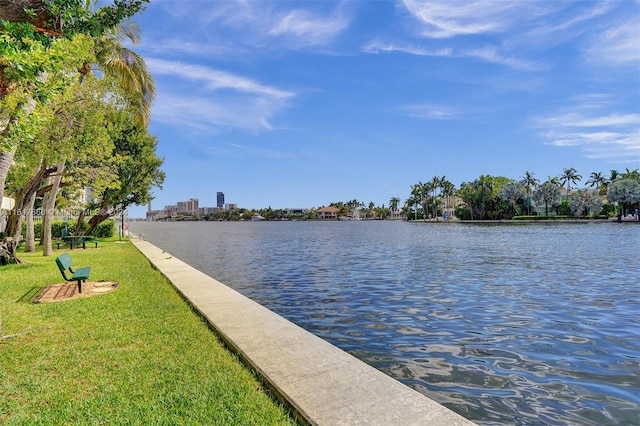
(68, 291)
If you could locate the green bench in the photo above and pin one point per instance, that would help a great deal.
(77, 240)
(81, 274)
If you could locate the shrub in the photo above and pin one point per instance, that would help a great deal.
(105, 230)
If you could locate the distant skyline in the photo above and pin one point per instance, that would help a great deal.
(299, 104)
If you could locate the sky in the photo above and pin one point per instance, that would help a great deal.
(289, 104)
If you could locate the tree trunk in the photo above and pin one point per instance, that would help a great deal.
(13, 11)
(45, 196)
(14, 223)
(97, 219)
(80, 222)
(48, 209)
(6, 159)
(30, 243)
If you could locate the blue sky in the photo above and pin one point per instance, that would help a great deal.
(299, 104)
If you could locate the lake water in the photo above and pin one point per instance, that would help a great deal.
(505, 324)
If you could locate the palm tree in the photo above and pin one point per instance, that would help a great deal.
(435, 183)
(427, 187)
(393, 203)
(416, 197)
(631, 174)
(101, 20)
(614, 175)
(448, 191)
(529, 182)
(126, 67)
(483, 183)
(598, 180)
(568, 176)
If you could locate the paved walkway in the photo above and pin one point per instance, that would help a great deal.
(325, 385)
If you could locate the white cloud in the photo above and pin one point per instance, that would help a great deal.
(431, 112)
(618, 45)
(303, 28)
(379, 46)
(272, 23)
(486, 53)
(223, 101)
(614, 136)
(504, 32)
(214, 79)
(449, 19)
(214, 114)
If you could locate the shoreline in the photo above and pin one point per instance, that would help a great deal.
(320, 382)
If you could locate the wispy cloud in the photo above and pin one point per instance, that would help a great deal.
(235, 150)
(449, 19)
(506, 32)
(612, 137)
(487, 53)
(214, 79)
(617, 46)
(304, 28)
(431, 112)
(224, 100)
(377, 46)
(274, 25)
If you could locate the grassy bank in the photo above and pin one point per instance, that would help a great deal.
(135, 355)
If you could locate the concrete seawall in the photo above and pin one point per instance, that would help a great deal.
(323, 384)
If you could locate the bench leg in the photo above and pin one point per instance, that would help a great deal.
(79, 286)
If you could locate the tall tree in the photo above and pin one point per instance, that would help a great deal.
(529, 182)
(625, 192)
(549, 194)
(393, 203)
(569, 176)
(37, 39)
(586, 202)
(631, 174)
(513, 192)
(416, 197)
(614, 175)
(448, 191)
(125, 67)
(137, 170)
(435, 184)
(599, 181)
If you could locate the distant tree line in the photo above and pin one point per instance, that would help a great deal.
(497, 197)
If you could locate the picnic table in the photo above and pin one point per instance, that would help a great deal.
(78, 240)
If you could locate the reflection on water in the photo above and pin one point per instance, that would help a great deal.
(509, 324)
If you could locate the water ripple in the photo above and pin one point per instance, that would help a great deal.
(528, 325)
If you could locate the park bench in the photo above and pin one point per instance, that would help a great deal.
(81, 274)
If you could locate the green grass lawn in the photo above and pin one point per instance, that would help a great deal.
(135, 355)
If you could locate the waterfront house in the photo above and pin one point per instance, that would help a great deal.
(328, 213)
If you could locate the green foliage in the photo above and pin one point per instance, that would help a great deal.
(564, 209)
(463, 213)
(133, 165)
(107, 359)
(608, 210)
(72, 16)
(106, 229)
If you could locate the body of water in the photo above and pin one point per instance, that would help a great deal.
(505, 324)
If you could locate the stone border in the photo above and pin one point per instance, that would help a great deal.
(322, 383)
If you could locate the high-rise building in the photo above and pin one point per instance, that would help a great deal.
(220, 200)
